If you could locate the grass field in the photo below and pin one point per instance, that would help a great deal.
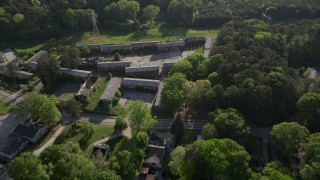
(95, 97)
(159, 33)
(5, 107)
(85, 142)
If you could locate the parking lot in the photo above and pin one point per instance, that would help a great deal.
(67, 90)
(133, 95)
(8, 123)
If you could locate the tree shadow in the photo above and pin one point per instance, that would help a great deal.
(167, 30)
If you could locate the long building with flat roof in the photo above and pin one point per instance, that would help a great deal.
(111, 90)
(134, 83)
(113, 66)
(76, 73)
(143, 71)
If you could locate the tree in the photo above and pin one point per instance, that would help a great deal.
(307, 106)
(273, 171)
(199, 95)
(69, 56)
(121, 163)
(28, 167)
(140, 117)
(85, 51)
(68, 162)
(117, 57)
(310, 167)
(108, 175)
(211, 159)
(12, 68)
(150, 12)
(141, 140)
(209, 131)
(173, 93)
(74, 107)
(41, 107)
(177, 127)
(229, 122)
(183, 67)
(121, 124)
(290, 134)
(49, 71)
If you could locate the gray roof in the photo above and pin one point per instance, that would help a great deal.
(8, 56)
(209, 43)
(113, 64)
(24, 75)
(143, 44)
(171, 44)
(76, 72)
(158, 151)
(110, 91)
(32, 65)
(115, 47)
(140, 82)
(91, 46)
(168, 64)
(158, 98)
(142, 69)
(28, 131)
(314, 74)
(37, 56)
(12, 146)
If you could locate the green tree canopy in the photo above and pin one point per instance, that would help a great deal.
(308, 106)
(209, 131)
(173, 93)
(310, 168)
(28, 167)
(49, 71)
(290, 134)
(229, 122)
(41, 107)
(69, 56)
(121, 124)
(215, 158)
(140, 117)
(150, 12)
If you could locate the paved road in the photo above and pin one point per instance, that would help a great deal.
(165, 124)
(12, 98)
(49, 142)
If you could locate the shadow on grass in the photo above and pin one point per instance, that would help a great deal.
(139, 34)
(167, 30)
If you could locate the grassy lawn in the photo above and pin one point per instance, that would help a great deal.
(253, 145)
(85, 142)
(5, 107)
(159, 33)
(95, 97)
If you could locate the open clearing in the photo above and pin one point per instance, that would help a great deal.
(159, 33)
(5, 108)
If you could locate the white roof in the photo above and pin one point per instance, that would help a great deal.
(76, 72)
(8, 56)
(37, 56)
(140, 82)
(110, 91)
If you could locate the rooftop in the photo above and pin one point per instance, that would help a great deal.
(8, 56)
(142, 69)
(140, 82)
(111, 89)
(12, 146)
(27, 130)
(114, 63)
(155, 151)
(76, 73)
(158, 98)
(37, 56)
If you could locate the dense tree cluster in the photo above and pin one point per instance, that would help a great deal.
(26, 20)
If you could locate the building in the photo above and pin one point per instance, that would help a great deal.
(12, 146)
(143, 71)
(80, 74)
(25, 133)
(86, 89)
(110, 91)
(24, 75)
(102, 149)
(314, 74)
(145, 45)
(144, 84)
(157, 105)
(31, 131)
(6, 57)
(33, 61)
(37, 56)
(95, 48)
(166, 66)
(115, 66)
(115, 48)
(175, 45)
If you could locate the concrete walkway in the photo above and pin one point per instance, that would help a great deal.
(50, 142)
